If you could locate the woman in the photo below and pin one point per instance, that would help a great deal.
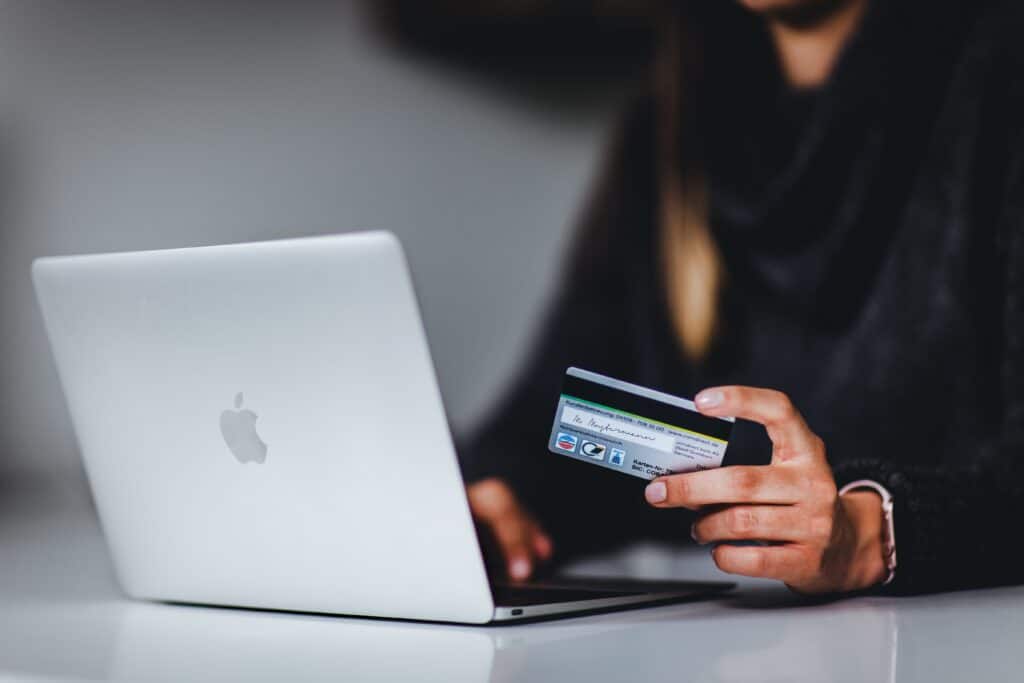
(822, 199)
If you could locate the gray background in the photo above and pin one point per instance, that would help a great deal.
(135, 125)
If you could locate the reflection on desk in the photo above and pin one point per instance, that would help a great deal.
(140, 641)
(63, 618)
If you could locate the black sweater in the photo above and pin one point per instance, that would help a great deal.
(875, 264)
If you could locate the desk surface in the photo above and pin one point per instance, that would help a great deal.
(61, 617)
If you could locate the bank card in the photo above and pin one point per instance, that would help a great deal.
(634, 430)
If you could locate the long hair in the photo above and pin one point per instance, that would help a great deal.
(692, 267)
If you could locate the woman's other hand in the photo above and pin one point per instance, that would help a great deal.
(824, 543)
(520, 539)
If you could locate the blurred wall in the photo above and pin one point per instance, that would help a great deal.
(137, 125)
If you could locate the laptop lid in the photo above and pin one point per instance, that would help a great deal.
(261, 426)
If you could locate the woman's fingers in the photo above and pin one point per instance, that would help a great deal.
(773, 409)
(515, 539)
(760, 522)
(783, 562)
(792, 501)
(542, 544)
(738, 484)
(520, 539)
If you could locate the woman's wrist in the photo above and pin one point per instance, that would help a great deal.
(867, 560)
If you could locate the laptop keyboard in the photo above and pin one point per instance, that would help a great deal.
(520, 596)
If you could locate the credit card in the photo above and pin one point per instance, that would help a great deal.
(634, 430)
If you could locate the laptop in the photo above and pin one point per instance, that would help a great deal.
(261, 427)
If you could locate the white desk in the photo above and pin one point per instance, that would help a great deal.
(61, 617)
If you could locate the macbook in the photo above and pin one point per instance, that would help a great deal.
(261, 427)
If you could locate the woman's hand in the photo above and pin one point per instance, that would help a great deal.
(825, 543)
(521, 541)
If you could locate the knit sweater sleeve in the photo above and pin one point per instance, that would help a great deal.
(955, 527)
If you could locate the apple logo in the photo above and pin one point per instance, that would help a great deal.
(238, 428)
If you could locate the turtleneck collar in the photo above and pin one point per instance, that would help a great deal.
(804, 183)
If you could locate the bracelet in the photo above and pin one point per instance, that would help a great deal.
(888, 529)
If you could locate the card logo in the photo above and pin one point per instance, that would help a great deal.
(593, 450)
(617, 457)
(566, 442)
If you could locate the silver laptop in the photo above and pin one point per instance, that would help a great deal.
(261, 427)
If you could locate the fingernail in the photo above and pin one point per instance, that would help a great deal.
(710, 398)
(519, 568)
(656, 492)
(693, 532)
